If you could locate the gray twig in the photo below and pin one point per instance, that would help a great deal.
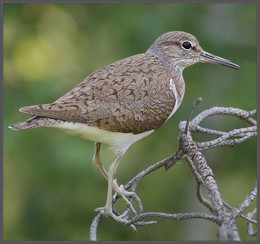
(250, 230)
(94, 226)
(179, 216)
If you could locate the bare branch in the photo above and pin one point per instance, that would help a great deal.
(223, 214)
(94, 226)
(180, 216)
(247, 202)
(242, 216)
(208, 131)
(195, 104)
(203, 200)
(171, 160)
(250, 215)
(227, 229)
(243, 134)
(242, 114)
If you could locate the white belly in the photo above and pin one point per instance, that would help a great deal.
(119, 142)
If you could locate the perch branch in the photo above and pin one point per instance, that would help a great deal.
(223, 214)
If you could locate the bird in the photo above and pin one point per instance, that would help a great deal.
(123, 102)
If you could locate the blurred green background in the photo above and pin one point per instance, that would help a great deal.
(50, 184)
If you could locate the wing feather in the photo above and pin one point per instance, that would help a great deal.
(126, 96)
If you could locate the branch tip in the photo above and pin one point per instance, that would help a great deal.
(195, 104)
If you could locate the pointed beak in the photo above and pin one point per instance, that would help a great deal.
(210, 58)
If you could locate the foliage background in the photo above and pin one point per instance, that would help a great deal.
(50, 185)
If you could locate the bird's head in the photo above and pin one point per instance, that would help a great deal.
(182, 49)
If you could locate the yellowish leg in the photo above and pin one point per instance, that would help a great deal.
(97, 161)
(111, 172)
(112, 184)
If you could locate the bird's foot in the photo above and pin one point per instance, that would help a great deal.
(124, 194)
(107, 212)
(123, 218)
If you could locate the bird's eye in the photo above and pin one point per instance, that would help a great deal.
(186, 45)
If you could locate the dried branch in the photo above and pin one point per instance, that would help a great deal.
(203, 200)
(250, 215)
(180, 216)
(247, 202)
(170, 160)
(222, 213)
(94, 226)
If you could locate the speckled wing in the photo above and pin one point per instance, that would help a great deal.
(130, 95)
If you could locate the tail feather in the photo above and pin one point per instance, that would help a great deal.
(33, 122)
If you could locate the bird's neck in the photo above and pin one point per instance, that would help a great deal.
(175, 68)
(174, 62)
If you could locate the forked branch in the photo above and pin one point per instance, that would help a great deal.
(222, 213)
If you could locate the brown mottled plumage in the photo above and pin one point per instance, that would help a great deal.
(125, 101)
(123, 97)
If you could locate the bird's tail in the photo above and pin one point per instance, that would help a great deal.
(33, 122)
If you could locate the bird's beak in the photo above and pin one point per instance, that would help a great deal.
(210, 58)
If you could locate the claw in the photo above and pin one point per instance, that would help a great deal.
(108, 213)
(124, 194)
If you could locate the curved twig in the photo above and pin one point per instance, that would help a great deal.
(179, 216)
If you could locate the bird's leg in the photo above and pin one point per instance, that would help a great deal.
(107, 209)
(112, 184)
(99, 165)
(97, 160)
(111, 173)
(124, 194)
